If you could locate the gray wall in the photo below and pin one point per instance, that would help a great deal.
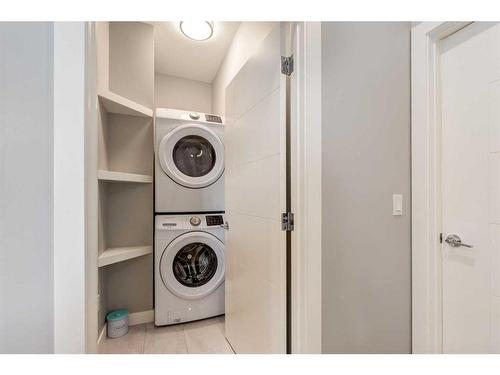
(26, 182)
(366, 146)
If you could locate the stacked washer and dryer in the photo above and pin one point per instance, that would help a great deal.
(189, 216)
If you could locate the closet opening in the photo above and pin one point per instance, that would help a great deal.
(192, 148)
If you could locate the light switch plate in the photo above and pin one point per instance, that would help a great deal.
(397, 204)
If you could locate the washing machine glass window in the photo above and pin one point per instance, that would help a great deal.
(195, 264)
(194, 156)
(192, 265)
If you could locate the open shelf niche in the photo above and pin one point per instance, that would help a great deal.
(111, 176)
(125, 97)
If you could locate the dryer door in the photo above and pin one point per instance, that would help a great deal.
(192, 265)
(192, 156)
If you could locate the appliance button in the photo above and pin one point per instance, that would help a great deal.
(194, 116)
(195, 221)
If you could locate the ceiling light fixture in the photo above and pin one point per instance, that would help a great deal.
(197, 30)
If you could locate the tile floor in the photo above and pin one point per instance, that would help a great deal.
(201, 337)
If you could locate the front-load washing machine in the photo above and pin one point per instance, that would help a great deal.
(189, 267)
(189, 162)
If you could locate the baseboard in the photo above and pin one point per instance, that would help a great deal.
(102, 334)
(141, 317)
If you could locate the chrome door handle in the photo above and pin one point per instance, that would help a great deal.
(455, 241)
(225, 225)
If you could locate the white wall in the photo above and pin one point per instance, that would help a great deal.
(246, 40)
(181, 93)
(69, 187)
(131, 75)
(26, 188)
(366, 158)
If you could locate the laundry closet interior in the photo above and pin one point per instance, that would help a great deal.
(189, 164)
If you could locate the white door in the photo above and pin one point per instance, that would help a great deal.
(255, 198)
(470, 178)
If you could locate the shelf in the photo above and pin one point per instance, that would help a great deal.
(111, 176)
(115, 103)
(120, 254)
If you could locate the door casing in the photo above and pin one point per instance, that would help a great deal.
(305, 178)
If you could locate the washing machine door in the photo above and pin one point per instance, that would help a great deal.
(192, 156)
(192, 265)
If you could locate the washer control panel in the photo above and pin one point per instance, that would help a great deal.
(193, 221)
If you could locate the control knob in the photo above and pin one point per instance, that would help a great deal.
(195, 221)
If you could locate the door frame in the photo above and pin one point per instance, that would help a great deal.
(427, 313)
(305, 200)
(305, 142)
(71, 109)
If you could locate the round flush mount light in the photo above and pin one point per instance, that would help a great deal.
(197, 30)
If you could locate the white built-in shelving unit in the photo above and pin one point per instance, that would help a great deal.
(111, 176)
(125, 97)
(114, 103)
(120, 254)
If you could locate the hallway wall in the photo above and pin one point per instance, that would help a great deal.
(26, 187)
(366, 303)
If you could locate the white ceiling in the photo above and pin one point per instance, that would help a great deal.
(179, 56)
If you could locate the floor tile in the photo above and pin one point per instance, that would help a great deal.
(200, 337)
(205, 337)
(165, 340)
(131, 343)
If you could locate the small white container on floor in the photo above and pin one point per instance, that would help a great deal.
(117, 323)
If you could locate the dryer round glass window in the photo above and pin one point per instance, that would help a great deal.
(195, 264)
(194, 156)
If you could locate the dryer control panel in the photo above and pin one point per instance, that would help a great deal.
(189, 116)
(213, 118)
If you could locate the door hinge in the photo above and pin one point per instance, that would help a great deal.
(287, 221)
(440, 237)
(287, 65)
